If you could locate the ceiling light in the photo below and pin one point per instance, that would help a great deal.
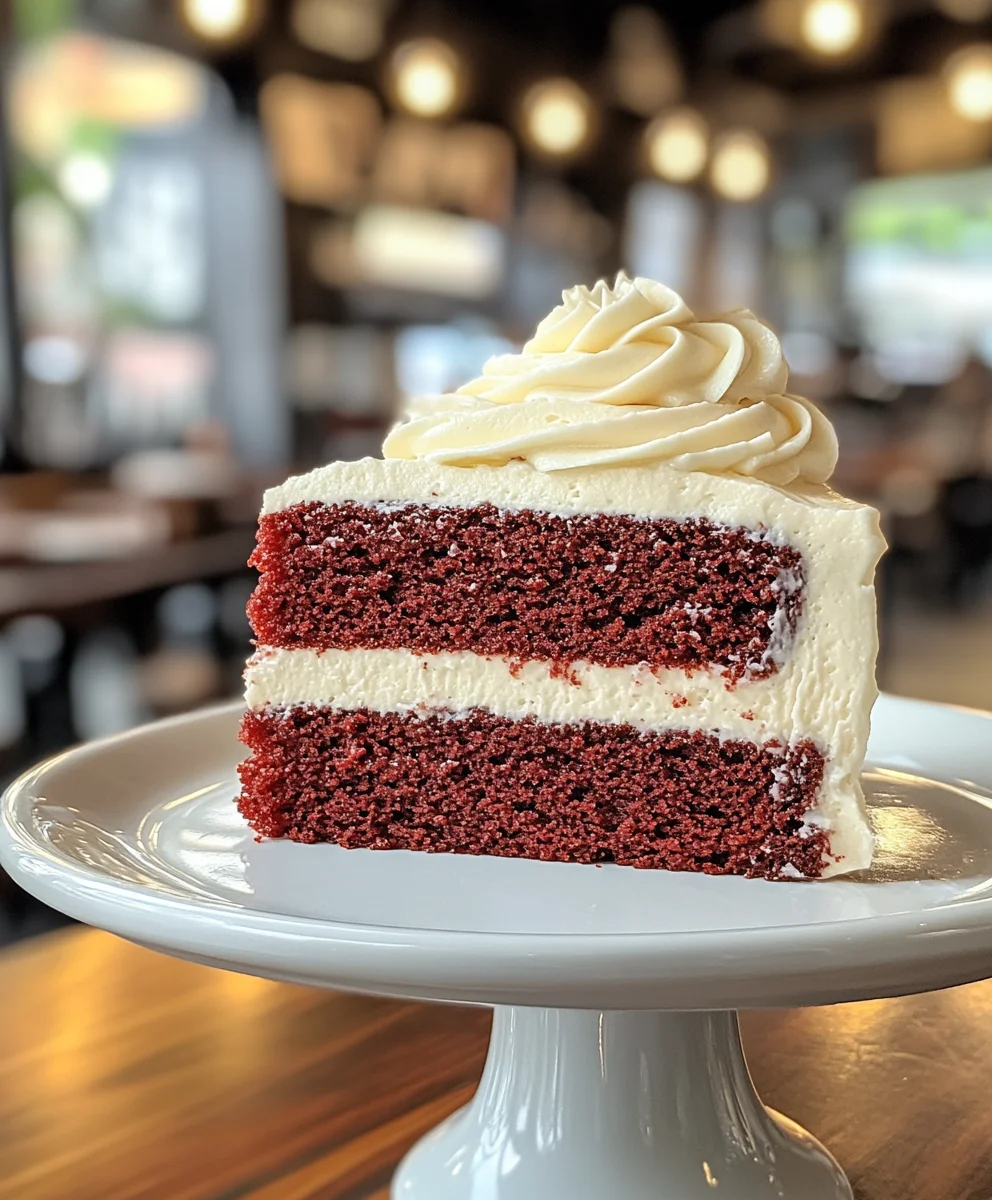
(741, 167)
(557, 117)
(677, 145)
(969, 82)
(426, 77)
(220, 20)
(832, 27)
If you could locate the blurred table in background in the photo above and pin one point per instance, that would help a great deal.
(122, 599)
(53, 587)
(125, 1073)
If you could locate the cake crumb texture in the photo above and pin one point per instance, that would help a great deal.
(477, 783)
(605, 588)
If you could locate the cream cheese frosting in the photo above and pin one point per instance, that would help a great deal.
(628, 375)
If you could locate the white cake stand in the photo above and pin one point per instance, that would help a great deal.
(615, 1070)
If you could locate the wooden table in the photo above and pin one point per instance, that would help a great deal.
(125, 1075)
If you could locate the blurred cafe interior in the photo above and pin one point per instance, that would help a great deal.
(237, 232)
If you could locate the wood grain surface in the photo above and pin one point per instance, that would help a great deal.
(125, 1075)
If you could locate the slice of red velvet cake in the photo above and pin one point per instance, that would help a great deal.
(598, 606)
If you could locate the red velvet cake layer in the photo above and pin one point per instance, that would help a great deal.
(609, 589)
(483, 784)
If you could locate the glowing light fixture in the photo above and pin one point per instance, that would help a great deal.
(427, 77)
(220, 20)
(677, 145)
(969, 82)
(741, 167)
(85, 179)
(557, 117)
(832, 27)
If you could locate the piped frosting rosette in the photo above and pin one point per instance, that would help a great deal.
(628, 375)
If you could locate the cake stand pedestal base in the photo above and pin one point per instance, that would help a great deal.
(578, 1105)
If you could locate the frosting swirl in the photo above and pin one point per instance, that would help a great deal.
(627, 375)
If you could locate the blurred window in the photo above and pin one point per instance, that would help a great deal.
(433, 359)
(663, 228)
(411, 250)
(918, 270)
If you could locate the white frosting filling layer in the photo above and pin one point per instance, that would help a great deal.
(398, 680)
(823, 691)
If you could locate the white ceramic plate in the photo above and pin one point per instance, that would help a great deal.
(139, 834)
